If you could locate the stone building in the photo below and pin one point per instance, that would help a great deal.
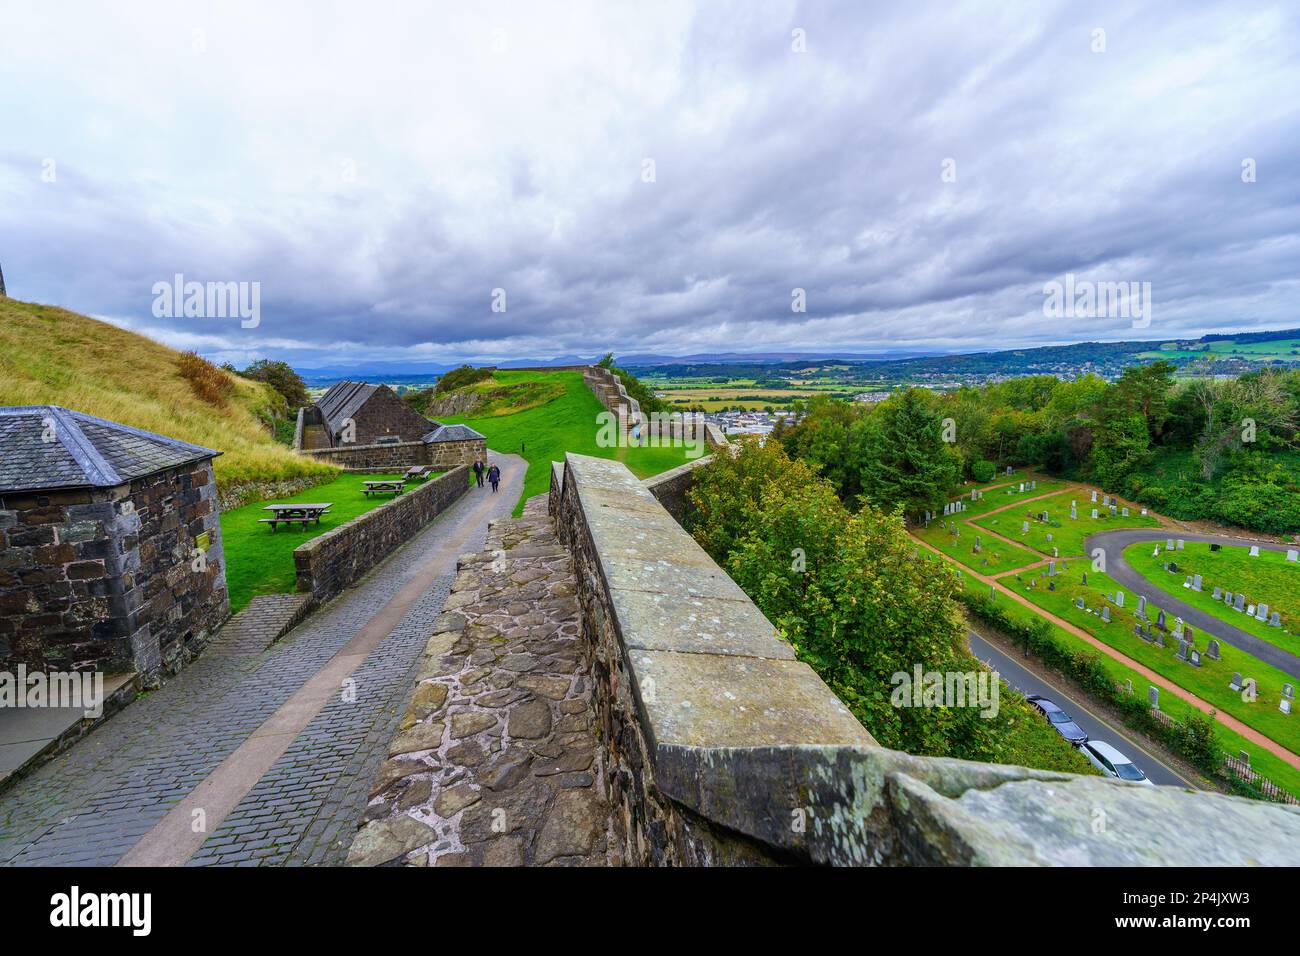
(359, 413)
(110, 546)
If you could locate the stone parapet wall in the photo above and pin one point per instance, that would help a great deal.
(670, 487)
(402, 455)
(721, 748)
(327, 564)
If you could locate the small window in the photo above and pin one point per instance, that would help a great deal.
(388, 440)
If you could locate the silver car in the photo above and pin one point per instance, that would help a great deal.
(1113, 763)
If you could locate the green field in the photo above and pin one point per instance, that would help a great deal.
(1269, 578)
(1068, 534)
(260, 561)
(995, 557)
(1209, 682)
(1271, 766)
(1282, 350)
(568, 423)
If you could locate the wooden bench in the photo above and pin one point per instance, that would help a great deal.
(384, 487)
(417, 473)
(302, 514)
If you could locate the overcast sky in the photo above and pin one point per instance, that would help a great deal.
(920, 170)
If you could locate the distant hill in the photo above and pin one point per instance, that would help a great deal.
(489, 398)
(50, 356)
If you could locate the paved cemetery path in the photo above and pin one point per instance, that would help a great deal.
(261, 740)
(1232, 723)
(1113, 544)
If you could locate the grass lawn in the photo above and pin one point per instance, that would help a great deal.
(1269, 578)
(996, 556)
(1001, 497)
(1277, 770)
(567, 423)
(1209, 682)
(260, 561)
(1067, 534)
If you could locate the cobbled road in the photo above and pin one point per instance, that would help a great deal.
(91, 805)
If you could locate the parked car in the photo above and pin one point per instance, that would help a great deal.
(1059, 719)
(1113, 763)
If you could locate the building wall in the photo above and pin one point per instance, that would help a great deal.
(385, 414)
(106, 579)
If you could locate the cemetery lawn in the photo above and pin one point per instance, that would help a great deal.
(1209, 681)
(1067, 534)
(999, 555)
(1269, 577)
(568, 422)
(1266, 763)
(260, 561)
(1001, 497)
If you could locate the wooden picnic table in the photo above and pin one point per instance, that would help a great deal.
(379, 487)
(297, 513)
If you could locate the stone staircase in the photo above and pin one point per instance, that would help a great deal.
(496, 760)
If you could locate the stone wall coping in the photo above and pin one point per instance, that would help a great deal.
(749, 739)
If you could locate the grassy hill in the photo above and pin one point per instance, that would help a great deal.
(503, 393)
(567, 422)
(50, 356)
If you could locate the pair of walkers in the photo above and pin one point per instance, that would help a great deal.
(492, 472)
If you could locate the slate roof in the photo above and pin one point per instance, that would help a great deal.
(47, 446)
(451, 433)
(343, 401)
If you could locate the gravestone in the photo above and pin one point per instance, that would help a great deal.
(1275, 620)
(1218, 593)
(1085, 577)
(1236, 681)
(1051, 569)
(1094, 497)
(1119, 598)
(1181, 543)
(1169, 544)
(1112, 511)
(1261, 613)
(1250, 690)
(1128, 685)
(1239, 602)
(1153, 695)
(1160, 619)
(1254, 551)
(1288, 691)
(1024, 527)
(1182, 650)
(1144, 512)
(1094, 512)
(1196, 582)
(1292, 555)
(1105, 614)
(1124, 512)
(1284, 705)
(1078, 602)
(1195, 659)
(1142, 606)
(1212, 652)
(1160, 638)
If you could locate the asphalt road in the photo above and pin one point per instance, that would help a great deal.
(1113, 544)
(1093, 724)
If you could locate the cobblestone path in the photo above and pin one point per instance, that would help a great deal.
(496, 762)
(94, 803)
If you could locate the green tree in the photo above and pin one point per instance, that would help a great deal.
(281, 377)
(903, 460)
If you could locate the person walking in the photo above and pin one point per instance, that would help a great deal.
(478, 472)
(494, 476)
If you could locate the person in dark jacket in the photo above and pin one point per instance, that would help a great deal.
(478, 472)
(494, 476)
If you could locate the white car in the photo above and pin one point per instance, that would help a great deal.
(1113, 763)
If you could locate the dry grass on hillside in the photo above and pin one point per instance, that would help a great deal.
(52, 356)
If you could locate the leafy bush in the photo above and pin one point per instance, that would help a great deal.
(209, 382)
(460, 377)
(281, 377)
(983, 470)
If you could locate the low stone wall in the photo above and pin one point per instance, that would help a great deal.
(330, 562)
(721, 748)
(402, 455)
(670, 487)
